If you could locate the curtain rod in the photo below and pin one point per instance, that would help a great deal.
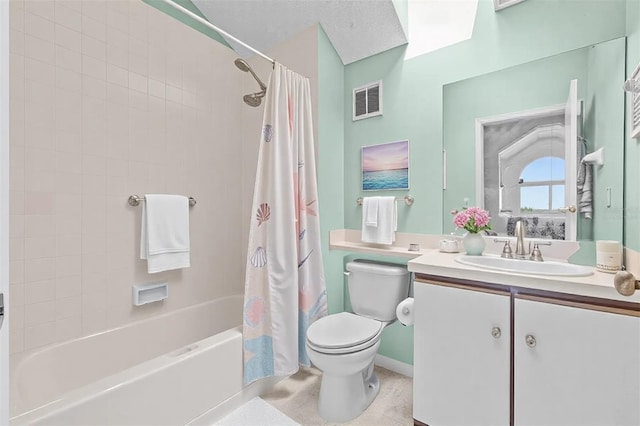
(213, 27)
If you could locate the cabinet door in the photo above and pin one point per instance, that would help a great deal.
(461, 370)
(578, 367)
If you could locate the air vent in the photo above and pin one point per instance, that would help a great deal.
(635, 104)
(502, 4)
(367, 101)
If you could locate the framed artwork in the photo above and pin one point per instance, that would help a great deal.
(385, 166)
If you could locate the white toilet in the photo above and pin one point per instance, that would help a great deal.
(344, 345)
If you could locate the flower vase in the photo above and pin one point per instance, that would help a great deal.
(473, 244)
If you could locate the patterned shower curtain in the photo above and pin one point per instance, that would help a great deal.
(284, 284)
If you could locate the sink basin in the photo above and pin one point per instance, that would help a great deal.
(528, 267)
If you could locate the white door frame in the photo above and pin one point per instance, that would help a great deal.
(570, 174)
(4, 208)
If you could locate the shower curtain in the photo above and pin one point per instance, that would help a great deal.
(284, 283)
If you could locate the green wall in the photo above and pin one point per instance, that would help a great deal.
(632, 146)
(413, 110)
(413, 100)
(331, 163)
(413, 89)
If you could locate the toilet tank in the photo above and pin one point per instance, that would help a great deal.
(376, 288)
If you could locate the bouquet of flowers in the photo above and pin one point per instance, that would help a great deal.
(473, 219)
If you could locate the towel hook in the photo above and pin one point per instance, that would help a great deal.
(134, 201)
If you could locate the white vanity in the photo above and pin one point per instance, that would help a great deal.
(495, 348)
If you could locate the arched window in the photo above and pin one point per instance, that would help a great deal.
(542, 186)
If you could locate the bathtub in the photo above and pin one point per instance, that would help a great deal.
(136, 375)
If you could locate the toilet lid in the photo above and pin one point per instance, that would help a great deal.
(342, 330)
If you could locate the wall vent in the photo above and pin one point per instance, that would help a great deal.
(502, 4)
(367, 100)
(635, 103)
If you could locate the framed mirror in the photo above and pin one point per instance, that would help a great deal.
(515, 139)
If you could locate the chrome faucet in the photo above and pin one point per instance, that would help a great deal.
(521, 253)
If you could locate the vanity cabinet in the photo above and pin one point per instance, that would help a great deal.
(497, 356)
(462, 356)
(575, 365)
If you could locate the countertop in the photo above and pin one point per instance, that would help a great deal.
(429, 260)
(598, 285)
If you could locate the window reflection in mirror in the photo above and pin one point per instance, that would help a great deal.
(511, 174)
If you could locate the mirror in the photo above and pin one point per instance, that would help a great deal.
(514, 140)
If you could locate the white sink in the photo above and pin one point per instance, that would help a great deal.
(528, 267)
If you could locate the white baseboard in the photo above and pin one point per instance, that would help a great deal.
(394, 365)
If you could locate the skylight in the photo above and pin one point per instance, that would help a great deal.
(434, 24)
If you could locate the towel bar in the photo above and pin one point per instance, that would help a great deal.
(408, 200)
(134, 201)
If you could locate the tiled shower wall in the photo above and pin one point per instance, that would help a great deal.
(109, 99)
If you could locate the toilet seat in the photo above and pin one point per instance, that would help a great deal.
(343, 333)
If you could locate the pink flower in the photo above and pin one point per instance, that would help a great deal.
(473, 219)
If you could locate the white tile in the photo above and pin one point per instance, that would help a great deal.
(117, 75)
(38, 26)
(68, 15)
(68, 266)
(39, 313)
(42, 72)
(68, 81)
(39, 292)
(68, 38)
(95, 9)
(94, 28)
(16, 272)
(68, 291)
(68, 59)
(93, 67)
(38, 248)
(138, 82)
(17, 42)
(39, 226)
(40, 49)
(39, 269)
(68, 328)
(39, 335)
(43, 8)
(94, 48)
(68, 245)
(39, 203)
(68, 183)
(117, 56)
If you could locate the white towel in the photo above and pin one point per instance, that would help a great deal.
(384, 232)
(584, 182)
(370, 211)
(164, 240)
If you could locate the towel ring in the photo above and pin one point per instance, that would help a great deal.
(134, 201)
(408, 200)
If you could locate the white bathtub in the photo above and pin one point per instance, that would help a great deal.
(135, 375)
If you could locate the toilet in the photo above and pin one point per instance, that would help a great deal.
(344, 345)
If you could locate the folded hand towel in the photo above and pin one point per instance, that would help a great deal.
(370, 211)
(384, 232)
(164, 240)
(584, 184)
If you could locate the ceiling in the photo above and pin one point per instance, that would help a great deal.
(356, 28)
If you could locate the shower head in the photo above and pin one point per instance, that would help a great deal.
(253, 99)
(244, 66)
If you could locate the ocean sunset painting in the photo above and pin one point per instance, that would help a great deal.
(385, 166)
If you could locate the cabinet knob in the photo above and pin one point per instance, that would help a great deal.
(496, 332)
(530, 341)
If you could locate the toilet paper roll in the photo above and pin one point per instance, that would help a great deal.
(404, 311)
